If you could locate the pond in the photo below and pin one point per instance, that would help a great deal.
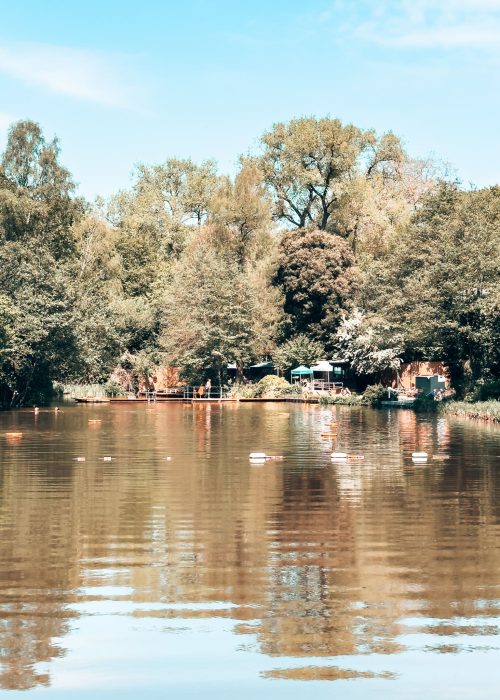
(141, 555)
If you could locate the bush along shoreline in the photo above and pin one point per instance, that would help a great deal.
(488, 411)
(277, 387)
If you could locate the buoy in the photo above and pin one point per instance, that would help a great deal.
(169, 458)
(56, 410)
(94, 420)
(36, 410)
(13, 435)
(106, 459)
(339, 456)
(419, 455)
(79, 459)
(257, 457)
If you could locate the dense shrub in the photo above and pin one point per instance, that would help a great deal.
(425, 404)
(486, 391)
(270, 387)
(375, 394)
(243, 391)
(275, 387)
(340, 400)
(114, 389)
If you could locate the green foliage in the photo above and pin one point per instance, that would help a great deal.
(486, 390)
(55, 279)
(114, 390)
(240, 216)
(341, 400)
(243, 391)
(425, 404)
(38, 342)
(274, 387)
(318, 278)
(36, 207)
(299, 350)
(271, 387)
(80, 390)
(375, 394)
(482, 410)
(384, 264)
(207, 315)
(368, 344)
(439, 288)
(308, 164)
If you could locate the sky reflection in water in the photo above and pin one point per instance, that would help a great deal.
(201, 574)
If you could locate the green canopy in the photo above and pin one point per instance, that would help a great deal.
(301, 371)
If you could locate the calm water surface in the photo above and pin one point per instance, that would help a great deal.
(178, 570)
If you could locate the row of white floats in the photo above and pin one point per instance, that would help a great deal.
(261, 457)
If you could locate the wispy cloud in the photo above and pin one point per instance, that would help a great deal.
(441, 24)
(78, 73)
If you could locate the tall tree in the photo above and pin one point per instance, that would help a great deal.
(240, 215)
(36, 191)
(440, 286)
(319, 281)
(37, 251)
(208, 313)
(164, 202)
(308, 164)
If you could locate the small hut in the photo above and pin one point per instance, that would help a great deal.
(324, 369)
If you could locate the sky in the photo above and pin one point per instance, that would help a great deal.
(122, 82)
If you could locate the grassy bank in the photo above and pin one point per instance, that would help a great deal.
(80, 391)
(339, 400)
(481, 410)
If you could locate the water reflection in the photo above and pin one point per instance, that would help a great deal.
(309, 562)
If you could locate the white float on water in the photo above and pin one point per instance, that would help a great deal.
(419, 455)
(339, 456)
(257, 457)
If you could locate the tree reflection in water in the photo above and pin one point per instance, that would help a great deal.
(311, 560)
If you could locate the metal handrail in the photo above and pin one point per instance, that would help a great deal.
(200, 392)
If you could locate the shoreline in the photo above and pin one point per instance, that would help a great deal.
(484, 411)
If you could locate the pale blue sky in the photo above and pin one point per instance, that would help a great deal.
(121, 82)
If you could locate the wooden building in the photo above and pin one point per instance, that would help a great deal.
(409, 371)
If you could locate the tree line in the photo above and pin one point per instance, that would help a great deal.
(329, 239)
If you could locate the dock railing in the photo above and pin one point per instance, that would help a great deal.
(322, 385)
(213, 393)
